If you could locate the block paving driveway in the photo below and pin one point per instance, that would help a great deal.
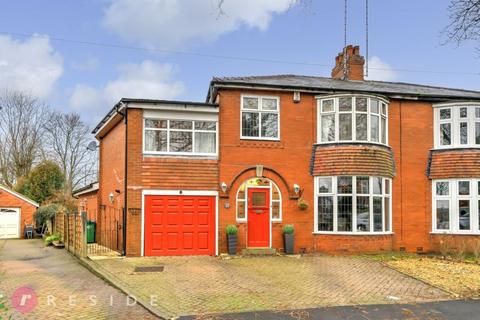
(208, 285)
(53, 273)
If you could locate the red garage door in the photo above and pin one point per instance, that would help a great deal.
(179, 225)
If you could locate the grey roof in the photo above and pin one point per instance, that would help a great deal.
(320, 84)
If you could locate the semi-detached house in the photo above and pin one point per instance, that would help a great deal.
(381, 165)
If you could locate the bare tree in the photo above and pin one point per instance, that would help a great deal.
(464, 21)
(67, 139)
(22, 120)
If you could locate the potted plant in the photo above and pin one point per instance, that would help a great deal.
(288, 238)
(232, 239)
(302, 204)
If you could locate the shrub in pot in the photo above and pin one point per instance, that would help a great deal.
(232, 239)
(288, 238)
(302, 204)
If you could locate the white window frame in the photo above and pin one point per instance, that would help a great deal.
(335, 194)
(168, 130)
(455, 121)
(272, 184)
(369, 114)
(259, 111)
(453, 198)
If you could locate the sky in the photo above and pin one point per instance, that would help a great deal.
(84, 55)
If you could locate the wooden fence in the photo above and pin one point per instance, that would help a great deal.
(72, 230)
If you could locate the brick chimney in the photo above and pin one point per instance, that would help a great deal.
(355, 63)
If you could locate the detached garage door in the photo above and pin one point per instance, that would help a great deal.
(9, 223)
(179, 225)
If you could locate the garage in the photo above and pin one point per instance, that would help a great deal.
(9, 223)
(179, 225)
(16, 211)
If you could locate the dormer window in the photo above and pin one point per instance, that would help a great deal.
(352, 118)
(457, 126)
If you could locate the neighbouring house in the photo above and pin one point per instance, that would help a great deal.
(87, 197)
(382, 165)
(16, 211)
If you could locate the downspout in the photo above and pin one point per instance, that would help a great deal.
(124, 235)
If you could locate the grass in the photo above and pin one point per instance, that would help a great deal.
(460, 276)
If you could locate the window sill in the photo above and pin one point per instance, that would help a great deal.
(346, 142)
(352, 233)
(260, 139)
(455, 233)
(180, 155)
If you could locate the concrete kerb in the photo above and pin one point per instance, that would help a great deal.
(93, 268)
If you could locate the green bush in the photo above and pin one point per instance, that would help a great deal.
(232, 229)
(45, 213)
(42, 182)
(288, 229)
(49, 240)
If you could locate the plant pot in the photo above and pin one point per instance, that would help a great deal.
(288, 241)
(232, 240)
(302, 204)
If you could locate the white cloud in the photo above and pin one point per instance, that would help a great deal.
(145, 80)
(169, 24)
(31, 65)
(380, 70)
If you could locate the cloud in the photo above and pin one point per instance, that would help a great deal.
(170, 24)
(31, 65)
(380, 70)
(147, 79)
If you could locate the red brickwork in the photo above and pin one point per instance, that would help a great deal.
(461, 163)
(336, 160)
(8, 200)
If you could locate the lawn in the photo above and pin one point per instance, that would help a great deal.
(460, 277)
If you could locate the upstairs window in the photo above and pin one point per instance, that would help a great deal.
(260, 118)
(352, 118)
(457, 126)
(181, 137)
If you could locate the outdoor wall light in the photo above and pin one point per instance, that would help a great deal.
(224, 187)
(296, 188)
(111, 197)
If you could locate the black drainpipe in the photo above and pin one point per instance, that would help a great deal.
(124, 244)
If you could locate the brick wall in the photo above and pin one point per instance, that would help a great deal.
(111, 178)
(27, 210)
(290, 157)
(88, 203)
(411, 138)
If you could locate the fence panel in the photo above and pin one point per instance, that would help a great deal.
(72, 230)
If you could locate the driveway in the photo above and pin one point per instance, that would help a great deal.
(62, 288)
(206, 285)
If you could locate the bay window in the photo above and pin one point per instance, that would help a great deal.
(182, 137)
(260, 118)
(456, 206)
(457, 126)
(352, 204)
(352, 118)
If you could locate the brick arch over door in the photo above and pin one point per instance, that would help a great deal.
(268, 172)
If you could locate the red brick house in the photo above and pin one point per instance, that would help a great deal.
(382, 165)
(88, 200)
(16, 211)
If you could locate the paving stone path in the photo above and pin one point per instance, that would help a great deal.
(206, 285)
(64, 289)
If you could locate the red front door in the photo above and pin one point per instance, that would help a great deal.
(258, 217)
